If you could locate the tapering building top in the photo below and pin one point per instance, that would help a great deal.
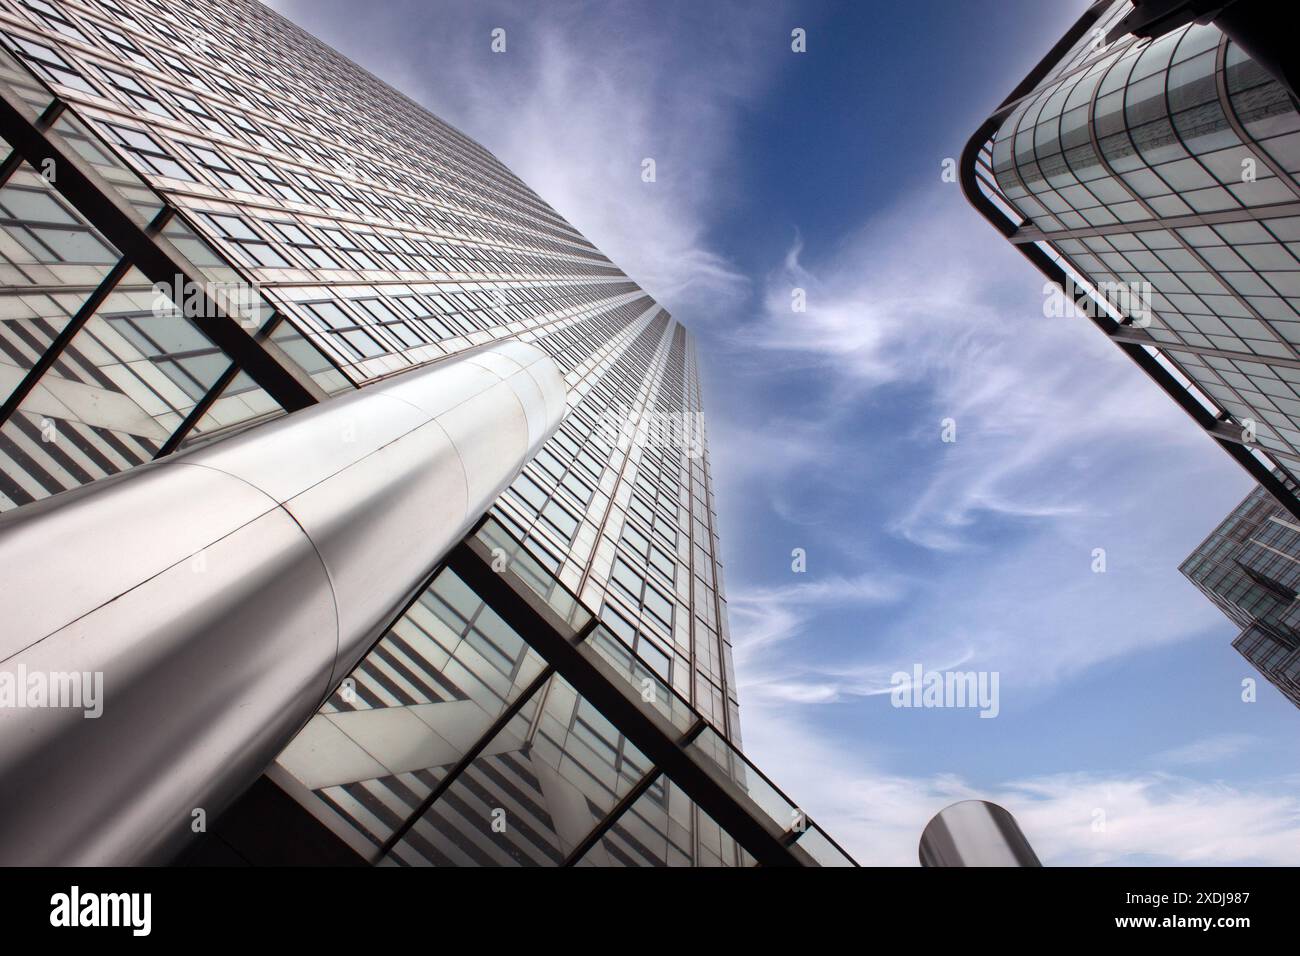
(236, 222)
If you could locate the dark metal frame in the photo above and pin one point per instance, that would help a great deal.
(569, 656)
(143, 247)
(149, 252)
(648, 731)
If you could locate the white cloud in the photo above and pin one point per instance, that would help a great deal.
(1144, 818)
(765, 617)
(1208, 750)
(1064, 451)
(1155, 818)
(928, 295)
(578, 100)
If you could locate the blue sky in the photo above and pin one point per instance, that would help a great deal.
(1119, 692)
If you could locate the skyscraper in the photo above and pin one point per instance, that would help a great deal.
(351, 468)
(1249, 566)
(1156, 181)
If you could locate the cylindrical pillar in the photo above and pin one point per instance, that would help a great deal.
(975, 833)
(216, 597)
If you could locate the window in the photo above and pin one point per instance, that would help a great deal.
(628, 579)
(122, 44)
(177, 348)
(659, 606)
(55, 18)
(135, 92)
(148, 153)
(251, 247)
(560, 519)
(576, 487)
(200, 115)
(354, 339)
(50, 234)
(51, 66)
(251, 131)
(219, 168)
(381, 249)
(658, 660)
(317, 191)
(529, 490)
(662, 563)
(274, 181)
(351, 252)
(298, 237)
(392, 322)
(619, 625)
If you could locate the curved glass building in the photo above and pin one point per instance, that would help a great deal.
(1156, 180)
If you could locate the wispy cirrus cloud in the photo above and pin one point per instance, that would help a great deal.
(1081, 819)
(1052, 552)
(1208, 750)
(576, 103)
(768, 616)
(927, 297)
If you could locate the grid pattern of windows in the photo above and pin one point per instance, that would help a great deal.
(1172, 167)
(377, 238)
(100, 370)
(459, 740)
(1249, 566)
(1162, 177)
(373, 189)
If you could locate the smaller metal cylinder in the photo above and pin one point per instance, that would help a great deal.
(975, 833)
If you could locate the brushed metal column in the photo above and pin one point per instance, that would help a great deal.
(975, 833)
(224, 592)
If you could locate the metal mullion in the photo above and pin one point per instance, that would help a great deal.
(1033, 152)
(1230, 113)
(55, 349)
(1125, 335)
(1030, 233)
(202, 407)
(1187, 246)
(10, 165)
(585, 672)
(52, 226)
(1019, 95)
(470, 755)
(198, 411)
(613, 816)
(1175, 390)
(1092, 139)
(48, 117)
(810, 824)
(78, 185)
(1156, 217)
(626, 802)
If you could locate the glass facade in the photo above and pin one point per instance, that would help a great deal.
(336, 234)
(1249, 566)
(1168, 168)
(491, 726)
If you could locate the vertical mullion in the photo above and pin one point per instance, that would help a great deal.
(51, 354)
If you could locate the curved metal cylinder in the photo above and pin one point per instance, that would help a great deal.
(975, 833)
(221, 594)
